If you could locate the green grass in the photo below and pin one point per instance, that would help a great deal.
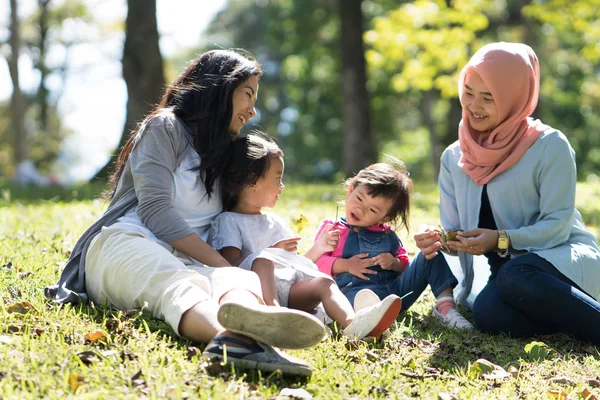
(44, 353)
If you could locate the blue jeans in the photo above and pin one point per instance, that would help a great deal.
(414, 280)
(529, 296)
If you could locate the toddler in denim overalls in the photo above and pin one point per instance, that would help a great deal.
(370, 262)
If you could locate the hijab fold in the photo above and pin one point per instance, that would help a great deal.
(511, 73)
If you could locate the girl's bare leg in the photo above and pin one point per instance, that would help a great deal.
(265, 269)
(306, 295)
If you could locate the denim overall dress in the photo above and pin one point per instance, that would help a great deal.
(419, 274)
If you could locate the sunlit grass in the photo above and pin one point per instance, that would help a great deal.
(44, 353)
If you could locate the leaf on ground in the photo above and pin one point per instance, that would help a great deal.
(7, 266)
(137, 380)
(593, 382)
(563, 380)
(372, 356)
(558, 394)
(513, 371)
(192, 352)
(299, 394)
(23, 275)
(13, 328)
(95, 336)
(75, 381)
(487, 370)
(587, 395)
(22, 307)
(537, 351)
(127, 356)
(88, 357)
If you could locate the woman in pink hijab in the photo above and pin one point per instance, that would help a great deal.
(509, 184)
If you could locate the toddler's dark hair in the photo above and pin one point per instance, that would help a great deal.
(391, 180)
(250, 159)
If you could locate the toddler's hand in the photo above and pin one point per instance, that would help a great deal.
(289, 244)
(386, 261)
(359, 266)
(328, 238)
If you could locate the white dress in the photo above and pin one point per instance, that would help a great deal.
(253, 234)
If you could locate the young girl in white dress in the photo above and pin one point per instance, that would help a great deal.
(260, 241)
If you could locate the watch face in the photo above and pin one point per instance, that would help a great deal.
(503, 243)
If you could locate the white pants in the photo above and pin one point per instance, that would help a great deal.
(127, 268)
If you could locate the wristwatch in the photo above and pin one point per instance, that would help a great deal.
(503, 243)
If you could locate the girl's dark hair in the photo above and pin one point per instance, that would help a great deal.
(251, 159)
(201, 96)
(390, 180)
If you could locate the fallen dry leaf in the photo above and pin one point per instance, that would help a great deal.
(563, 380)
(488, 370)
(587, 395)
(192, 352)
(95, 336)
(593, 382)
(75, 381)
(558, 394)
(88, 357)
(22, 307)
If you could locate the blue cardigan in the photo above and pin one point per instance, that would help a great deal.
(534, 202)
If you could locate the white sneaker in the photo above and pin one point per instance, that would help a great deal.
(372, 321)
(365, 298)
(453, 319)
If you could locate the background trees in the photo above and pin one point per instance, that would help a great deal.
(330, 117)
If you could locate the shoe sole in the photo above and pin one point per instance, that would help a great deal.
(287, 369)
(388, 318)
(276, 326)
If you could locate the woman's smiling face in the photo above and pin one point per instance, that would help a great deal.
(479, 104)
(243, 100)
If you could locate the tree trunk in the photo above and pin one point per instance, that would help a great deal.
(17, 99)
(359, 144)
(142, 68)
(426, 108)
(42, 95)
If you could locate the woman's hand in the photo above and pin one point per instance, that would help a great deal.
(289, 244)
(429, 243)
(477, 241)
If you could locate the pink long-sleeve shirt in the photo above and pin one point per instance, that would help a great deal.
(325, 262)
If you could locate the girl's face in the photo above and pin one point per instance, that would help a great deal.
(265, 192)
(363, 210)
(479, 104)
(243, 99)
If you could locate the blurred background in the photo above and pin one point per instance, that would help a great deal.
(345, 82)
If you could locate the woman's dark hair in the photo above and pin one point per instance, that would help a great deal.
(390, 180)
(201, 96)
(251, 159)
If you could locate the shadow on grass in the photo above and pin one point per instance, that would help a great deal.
(454, 351)
(11, 193)
(122, 325)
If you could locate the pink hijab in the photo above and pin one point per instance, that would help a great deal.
(512, 74)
